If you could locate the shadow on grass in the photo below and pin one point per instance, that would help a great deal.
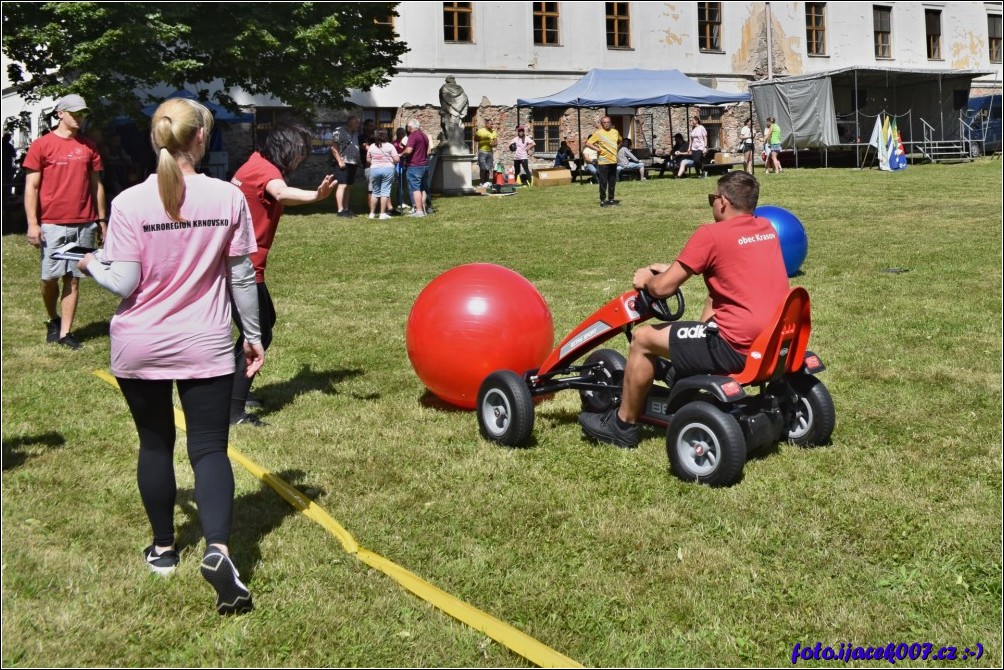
(432, 401)
(15, 452)
(255, 516)
(278, 395)
(92, 331)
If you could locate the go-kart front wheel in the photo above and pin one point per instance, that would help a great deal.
(815, 416)
(505, 409)
(704, 444)
(610, 372)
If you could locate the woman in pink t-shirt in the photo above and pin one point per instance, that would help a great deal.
(174, 242)
(382, 157)
(521, 147)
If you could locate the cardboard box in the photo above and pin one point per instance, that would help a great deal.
(552, 176)
(721, 157)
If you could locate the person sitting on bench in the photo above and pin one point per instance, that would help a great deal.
(627, 161)
(671, 160)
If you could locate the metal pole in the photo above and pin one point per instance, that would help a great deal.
(857, 122)
(582, 162)
(753, 162)
(770, 45)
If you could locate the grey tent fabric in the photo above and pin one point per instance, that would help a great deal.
(804, 109)
(851, 98)
(634, 88)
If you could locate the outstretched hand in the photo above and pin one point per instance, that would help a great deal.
(327, 186)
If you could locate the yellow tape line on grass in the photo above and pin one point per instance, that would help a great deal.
(501, 632)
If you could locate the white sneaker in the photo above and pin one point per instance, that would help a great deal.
(385, 215)
(417, 214)
(372, 215)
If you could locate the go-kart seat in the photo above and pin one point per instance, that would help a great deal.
(780, 349)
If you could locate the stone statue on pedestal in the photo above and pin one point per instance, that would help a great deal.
(452, 112)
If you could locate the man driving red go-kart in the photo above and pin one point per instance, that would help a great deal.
(740, 257)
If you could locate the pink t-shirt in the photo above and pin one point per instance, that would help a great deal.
(743, 269)
(176, 324)
(381, 156)
(698, 138)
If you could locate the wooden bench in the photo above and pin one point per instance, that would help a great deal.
(710, 167)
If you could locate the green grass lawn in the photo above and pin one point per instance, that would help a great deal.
(891, 534)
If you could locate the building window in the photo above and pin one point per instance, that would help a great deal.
(547, 129)
(545, 23)
(457, 22)
(618, 26)
(711, 119)
(815, 28)
(994, 35)
(932, 19)
(387, 20)
(709, 25)
(382, 117)
(883, 31)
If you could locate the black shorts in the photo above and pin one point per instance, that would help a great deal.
(697, 347)
(345, 176)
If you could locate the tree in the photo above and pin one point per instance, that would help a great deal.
(306, 54)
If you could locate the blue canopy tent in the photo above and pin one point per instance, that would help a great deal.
(220, 113)
(634, 88)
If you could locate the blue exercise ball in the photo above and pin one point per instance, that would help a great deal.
(791, 233)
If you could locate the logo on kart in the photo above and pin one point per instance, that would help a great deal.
(694, 332)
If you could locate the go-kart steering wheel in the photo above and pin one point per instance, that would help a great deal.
(647, 306)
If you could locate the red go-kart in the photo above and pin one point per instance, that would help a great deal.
(712, 421)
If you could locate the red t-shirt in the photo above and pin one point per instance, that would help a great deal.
(65, 165)
(743, 268)
(252, 178)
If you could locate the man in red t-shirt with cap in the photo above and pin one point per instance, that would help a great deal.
(740, 257)
(64, 201)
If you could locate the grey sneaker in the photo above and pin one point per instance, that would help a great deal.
(232, 597)
(605, 428)
(52, 330)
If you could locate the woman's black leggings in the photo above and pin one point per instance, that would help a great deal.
(206, 404)
(517, 165)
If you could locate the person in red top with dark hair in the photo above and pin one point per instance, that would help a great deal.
(262, 179)
(740, 257)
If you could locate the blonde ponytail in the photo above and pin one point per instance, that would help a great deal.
(174, 129)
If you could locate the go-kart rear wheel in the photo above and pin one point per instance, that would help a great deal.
(611, 373)
(704, 444)
(505, 409)
(815, 416)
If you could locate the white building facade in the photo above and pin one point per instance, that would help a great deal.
(502, 51)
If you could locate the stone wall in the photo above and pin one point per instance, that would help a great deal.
(648, 121)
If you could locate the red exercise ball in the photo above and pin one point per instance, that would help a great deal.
(471, 321)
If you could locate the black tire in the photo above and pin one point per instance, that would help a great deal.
(505, 409)
(612, 375)
(704, 444)
(815, 416)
